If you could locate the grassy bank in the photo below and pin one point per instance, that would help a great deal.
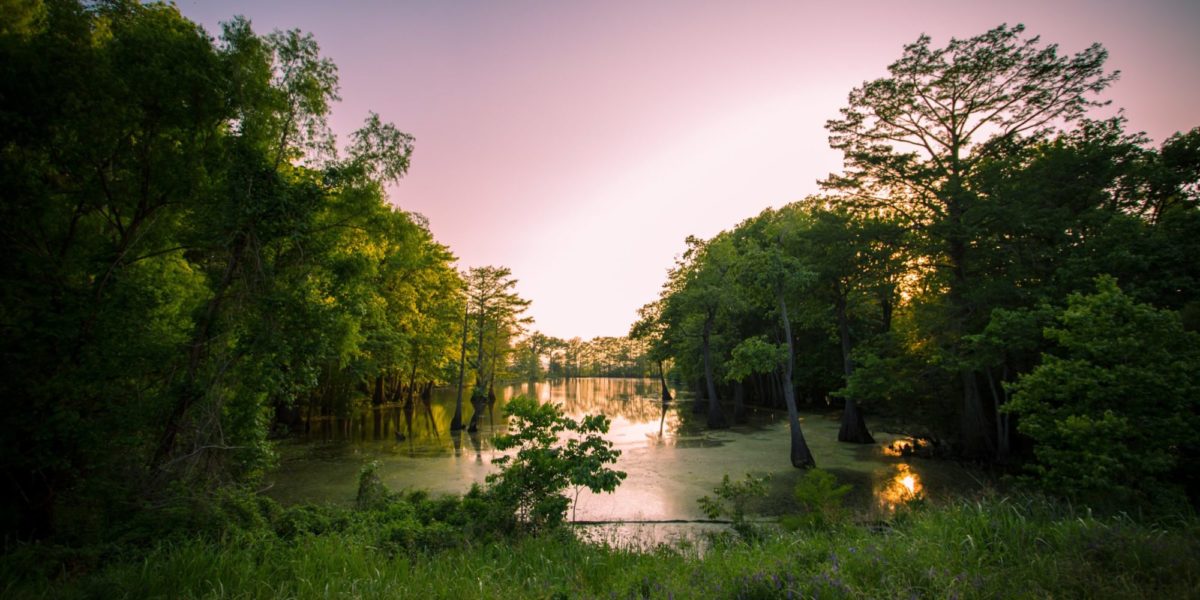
(987, 548)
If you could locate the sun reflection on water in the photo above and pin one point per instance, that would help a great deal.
(903, 486)
(898, 448)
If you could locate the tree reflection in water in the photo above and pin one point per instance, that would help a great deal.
(670, 457)
(629, 403)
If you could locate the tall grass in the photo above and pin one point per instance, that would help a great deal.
(989, 548)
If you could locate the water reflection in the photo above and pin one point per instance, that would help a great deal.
(901, 485)
(905, 447)
(898, 448)
(418, 427)
(671, 459)
(476, 445)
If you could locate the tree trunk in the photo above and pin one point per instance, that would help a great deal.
(392, 387)
(801, 456)
(662, 378)
(1003, 435)
(427, 401)
(409, 408)
(478, 395)
(479, 374)
(411, 392)
(976, 430)
(739, 403)
(854, 427)
(716, 420)
(886, 307)
(456, 423)
(479, 400)
(699, 404)
(189, 393)
(376, 402)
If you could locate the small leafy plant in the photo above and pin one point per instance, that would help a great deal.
(731, 500)
(554, 453)
(372, 493)
(820, 497)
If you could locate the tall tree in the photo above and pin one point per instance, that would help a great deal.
(492, 308)
(912, 143)
(857, 262)
(701, 291)
(183, 251)
(105, 151)
(530, 351)
(650, 329)
(766, 266)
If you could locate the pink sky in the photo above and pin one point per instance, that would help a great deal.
(579, 143)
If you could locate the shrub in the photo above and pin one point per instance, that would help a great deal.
(309, 519)
(820, 497)
(371, 491)
(731, 500)
(1115, 410)
(554, 453)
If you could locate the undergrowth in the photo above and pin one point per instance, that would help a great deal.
(417, 546)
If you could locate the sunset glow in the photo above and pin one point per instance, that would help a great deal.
(580, 143)
(533, 299)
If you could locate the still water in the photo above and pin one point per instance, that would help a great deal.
(670, 458)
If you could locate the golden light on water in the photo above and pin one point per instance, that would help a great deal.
(902, 486)
(898, 448)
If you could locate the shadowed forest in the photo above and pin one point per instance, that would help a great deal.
(193, 270)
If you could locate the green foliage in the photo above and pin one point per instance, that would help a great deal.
(372, 493)
(731, 501)
(754, 355)
(820, 497)
(981, 101)
(553, 453)
(1114, 409)
(970, 549)
(186, 256)
(312, 520)
(998, 84)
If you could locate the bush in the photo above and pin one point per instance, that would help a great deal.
(446, 509)
(371, 491)
(309, 519)
(554, 453)
(731, 500)
(1115, 410)
(821, 498)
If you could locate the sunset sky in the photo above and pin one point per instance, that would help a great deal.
(579, 143)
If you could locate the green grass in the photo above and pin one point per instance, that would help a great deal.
(983, 549)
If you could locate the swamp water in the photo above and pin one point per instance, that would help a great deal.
(667, 472)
